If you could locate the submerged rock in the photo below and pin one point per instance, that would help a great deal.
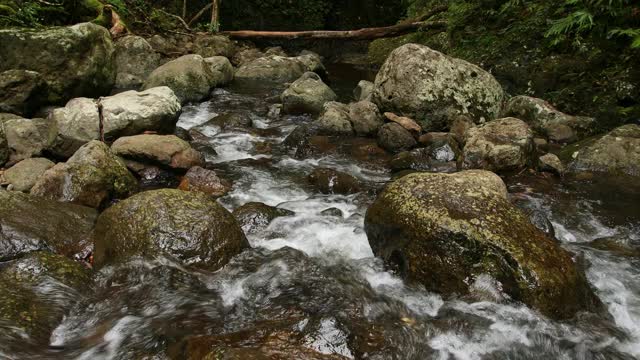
(126, 113)
(204, 181)
(394, 138)
(444, 230)
(547, 120)
(22, 92)
(308, 94)
(23, 175)
(165, 150)
(618, 152)
(433, 88)
(255, 216)
(188, 226)
(28, 138)
(74, 61)
(499, 145)
(29, 223)
(329, 181)
(135, 59)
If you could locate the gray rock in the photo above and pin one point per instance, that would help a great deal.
(135, 60)
(22, 92)
(432, 88)
(499, 145)
(28, 138)
(364, 91)
(334, 120)
(551, 163)
(74, 61)
(365, 118)
(278, 69)
(394, 138)
(23, 175)
(213, 45)
(221, 70)
(189, 77)
(618, 152)
(246, 56)
(308, 95)
(254, 216)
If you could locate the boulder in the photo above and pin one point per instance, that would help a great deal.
(221, 70)
(271, 69)
(618, 152)
(334, 120)
(365, 118)
(312, 62)
(91, 177)
(189, 77)
(164, 150)
(187, 226)
(551, 163)
(307, 95)
(127, 113)
(329, 181)
(499, 145)
(213, 45)
(445, 230)
(275, 50)
(204, 181)
(246, 56)
(364, 91)
(394, 138)
(29, 223)
(135, 59)
(28, 138)
(255, 216)
(74, 61)
(22, 92)
(225, 121)
(547, 120)
(37, 291)
(23, 175)
(433, 88)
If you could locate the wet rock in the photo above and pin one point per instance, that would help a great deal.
(221, 69)
(618, 152)
(547, 120)
(618, 245)
(255, 216)
(436, 157)
(188, 226)
(246, 56)
(335, 212)
(135, 59)
(23, 175)
(540, 220)
(394, 138)
(405, 122)
(499, 145)
(365, 118)
(204, 181)
(127, 113)
(308, 95)
(444, 230)
(29, 223)
(329, 181)
(91, 177)
(189, 76)
(213, 45)
(364, 91)
(22, 92)
(164, 150)
(26, 305)
(551, 163)
(299, 137)
(334, 120)
(432, 88)
(88, 68)
(153, 177)
(460, 128)
(230, 120)
(28, 138)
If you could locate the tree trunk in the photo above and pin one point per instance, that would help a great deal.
(184, 9)
(215, 15)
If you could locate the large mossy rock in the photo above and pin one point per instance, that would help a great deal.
(618, 152)
(499, 145)
(213, 45)
(307, 95)
(74, 61)
(433, 88)
(164, 150)
(127, 113)
(91, 177)
(27, 307)
(270, 69)
(135, 60)
(444, 230)
(188, 226)
(189, 76)
(22, 92)
(29, 223)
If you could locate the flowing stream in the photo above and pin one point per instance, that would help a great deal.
(310, 283)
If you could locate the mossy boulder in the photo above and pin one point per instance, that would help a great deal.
(190, 227)
(91, 177)
(221, 70)
(74, 61)
(213, 45)
(22, 92)
(270, 69)
(164, 150)
(445, 230)
(29, 223)
(135, 59)
(307, 95)
(433, 88)
(25, 305)
(618, 152)
(255, 216)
